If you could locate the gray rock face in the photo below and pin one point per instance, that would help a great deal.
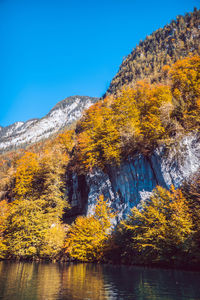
(126, 185)
(63, 114)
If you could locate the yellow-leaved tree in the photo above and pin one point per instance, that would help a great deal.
(27, 167)
(4, 213)
(87, 236)
(151, 101)
(34, 227)
(185, 75)
(162, 228)
(99, 142)
(135, 119)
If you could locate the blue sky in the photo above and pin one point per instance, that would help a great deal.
(54, 49)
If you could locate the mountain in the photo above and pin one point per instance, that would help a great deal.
(137, 149)
(163, 47)
(63, 114)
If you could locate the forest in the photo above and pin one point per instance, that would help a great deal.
(163, 47)
(164, 229)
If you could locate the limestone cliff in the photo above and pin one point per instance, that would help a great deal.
(125, 185)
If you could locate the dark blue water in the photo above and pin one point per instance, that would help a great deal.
(31, 281)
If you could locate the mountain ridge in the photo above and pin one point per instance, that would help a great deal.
(63, 114)
(163, 47)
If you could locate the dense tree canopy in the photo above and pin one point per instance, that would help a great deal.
(185, 76)
(4, 213)
(34, 223)
(163, 47)
(137, 119)
(161, 228)
(86, 238)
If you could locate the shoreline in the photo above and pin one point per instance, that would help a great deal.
(163, 266)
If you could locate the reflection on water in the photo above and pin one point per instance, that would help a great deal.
(36, 281)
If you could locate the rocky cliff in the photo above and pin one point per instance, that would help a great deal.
(126, 185)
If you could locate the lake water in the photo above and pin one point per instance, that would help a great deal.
(48, 281)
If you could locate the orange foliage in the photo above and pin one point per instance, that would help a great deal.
(27, 166)
(185, 76)
(131, 121)
(99, 140)
(65, 140)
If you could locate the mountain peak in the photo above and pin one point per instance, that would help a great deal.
(73, 99)
(64, 113)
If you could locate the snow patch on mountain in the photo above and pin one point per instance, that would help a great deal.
(63, 114)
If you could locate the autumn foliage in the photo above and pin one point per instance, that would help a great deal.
(131, 121)
(33, 227)
(4, 213)
(161, 229)
(137, 119)
(86, 238)
(185, 75)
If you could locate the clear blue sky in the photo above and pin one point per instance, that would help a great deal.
(54, 49)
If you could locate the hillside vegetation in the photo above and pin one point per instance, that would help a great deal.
(163, 47)
(140, 118)
(137, 119)
(165, 229)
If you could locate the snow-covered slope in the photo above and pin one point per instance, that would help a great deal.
(63, 114)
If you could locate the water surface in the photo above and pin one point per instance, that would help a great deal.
(43, 281)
